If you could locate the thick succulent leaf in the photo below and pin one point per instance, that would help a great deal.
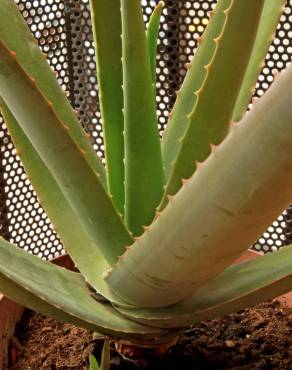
(107, 29)
(144, 177)
(53, 290)
(238, 287)
(152, 38)
(186, 99)
(76, 240)
(210, 119)
(268, 24)
(27, 299)
(65, 160)
(238, 192)
(15, 35)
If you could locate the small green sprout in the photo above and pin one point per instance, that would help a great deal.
(105, 359)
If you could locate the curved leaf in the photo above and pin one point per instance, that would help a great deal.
(186, 99)
(16, 36)
(64, 296)
(219, 212)
(210, 118)
(236, 288)
(77, 242)
(65, 160)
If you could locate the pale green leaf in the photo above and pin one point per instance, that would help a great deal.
(144, 176)
(239, 286)
(66, 161)
(210, 118)
(62, 294)
(107, 29)
(76, 240)
(16, 36)
(223, 209)
(152, 38)
(268, 24)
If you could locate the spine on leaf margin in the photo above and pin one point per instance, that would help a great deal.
(210, 118)
(60, 153)
(196, 74)
(16, 36)
(107, 28)
(144, 175)
(197, 237)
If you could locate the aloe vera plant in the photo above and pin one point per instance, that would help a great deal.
(156, 232)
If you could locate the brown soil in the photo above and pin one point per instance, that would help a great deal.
(258, 338)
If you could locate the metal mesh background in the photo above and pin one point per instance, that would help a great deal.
(63, 30)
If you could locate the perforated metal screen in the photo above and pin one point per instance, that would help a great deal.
(63, 30)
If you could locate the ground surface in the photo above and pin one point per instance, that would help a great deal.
(259, 338)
